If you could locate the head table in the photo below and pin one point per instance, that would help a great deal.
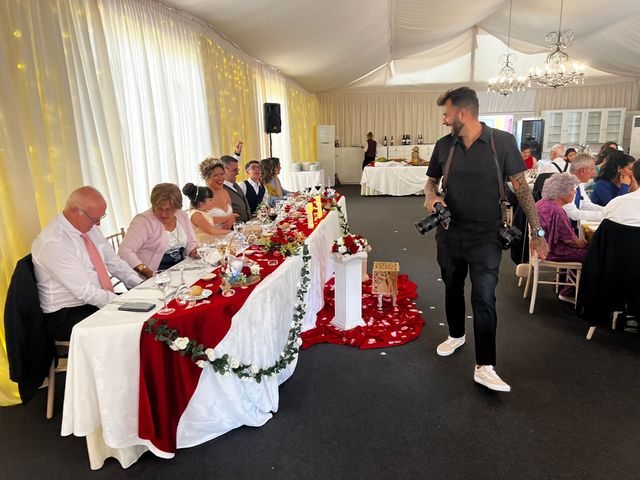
(103, 375)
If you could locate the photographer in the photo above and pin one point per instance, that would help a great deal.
(476, 230)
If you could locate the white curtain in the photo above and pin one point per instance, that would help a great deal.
(162, 106)
(589, 96)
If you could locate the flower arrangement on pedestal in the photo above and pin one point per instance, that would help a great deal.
(350, 244)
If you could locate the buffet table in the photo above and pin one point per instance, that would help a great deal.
(393, 180)
(103, 382)
(299, 181)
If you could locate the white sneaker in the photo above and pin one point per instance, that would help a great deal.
(487, 376)
(449, 346)
(564, 298)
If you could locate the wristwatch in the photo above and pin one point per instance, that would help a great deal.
(537, 233)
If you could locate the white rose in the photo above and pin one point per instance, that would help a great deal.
(298, 342)
(210, 355)
(341, 241)
(173, 347)
(254, 369)
(342, 249)
(255, 269)
(202, 363)
(181, 342)
(234, 363)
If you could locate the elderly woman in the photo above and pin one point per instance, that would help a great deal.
(270, 168)
(160, 237)
(213, 172)
(201, 199)
(615, 178)
(564, 245)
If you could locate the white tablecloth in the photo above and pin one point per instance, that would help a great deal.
(298, 181)
(394, 181)
(102, 382)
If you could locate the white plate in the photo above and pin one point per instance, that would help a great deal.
(205, 294)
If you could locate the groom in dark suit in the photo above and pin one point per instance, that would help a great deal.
(239, 202)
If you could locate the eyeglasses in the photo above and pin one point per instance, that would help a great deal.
(93, 219)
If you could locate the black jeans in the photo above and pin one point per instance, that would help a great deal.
(458, 255)
(368, 160)
(60, 323)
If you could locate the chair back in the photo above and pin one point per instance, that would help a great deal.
(115, 239)
(30, 348)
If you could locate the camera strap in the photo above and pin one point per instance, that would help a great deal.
(503, 196)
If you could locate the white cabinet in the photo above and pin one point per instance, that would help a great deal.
(583, 126)
(349, 164)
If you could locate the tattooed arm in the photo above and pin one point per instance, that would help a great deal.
(523, 192)
(431, 196)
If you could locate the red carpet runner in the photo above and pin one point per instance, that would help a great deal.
(388, 327)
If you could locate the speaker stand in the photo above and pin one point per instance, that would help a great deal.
(270, 147)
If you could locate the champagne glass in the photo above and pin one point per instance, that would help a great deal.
(162, 280)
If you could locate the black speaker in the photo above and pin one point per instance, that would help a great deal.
(532, 135)
(272, 121)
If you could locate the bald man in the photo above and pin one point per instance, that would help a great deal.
(556, 163)
(72, 262)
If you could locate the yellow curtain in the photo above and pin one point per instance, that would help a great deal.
(39, 158)
(303, 117)
(230, 86)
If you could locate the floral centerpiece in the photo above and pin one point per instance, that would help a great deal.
(285, 243)
(238, 272)
(350, 244)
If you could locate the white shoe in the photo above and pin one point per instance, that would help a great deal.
(449, 346)
(487, 376)
(564, 298)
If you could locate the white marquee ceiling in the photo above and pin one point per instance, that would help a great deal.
(332, 44)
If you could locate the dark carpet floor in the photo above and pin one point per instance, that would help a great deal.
(349, 414)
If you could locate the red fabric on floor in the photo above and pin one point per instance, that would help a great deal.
(387, 327)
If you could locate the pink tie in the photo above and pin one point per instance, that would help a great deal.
(98, 263)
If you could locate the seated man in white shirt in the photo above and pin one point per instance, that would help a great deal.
(556, 163)
(72, 261)
(625, 209)
(582, 208)
(253, 190)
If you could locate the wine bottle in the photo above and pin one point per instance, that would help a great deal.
(392, 140)
(384, 142)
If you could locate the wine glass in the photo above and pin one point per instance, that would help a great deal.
(318, 189)
(203, 250)
(162, 280)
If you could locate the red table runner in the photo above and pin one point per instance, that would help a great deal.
(168, 379)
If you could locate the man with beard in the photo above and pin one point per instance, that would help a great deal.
(470, 244)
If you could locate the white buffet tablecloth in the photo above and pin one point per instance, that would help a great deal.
(102, 381)
(394, 181)
(298, 181)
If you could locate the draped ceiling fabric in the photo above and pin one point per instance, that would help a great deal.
(333, 44)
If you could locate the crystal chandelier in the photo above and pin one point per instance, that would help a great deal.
(559, 70)
(507, 81)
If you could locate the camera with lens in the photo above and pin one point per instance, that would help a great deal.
(441, 217)
(507, 235)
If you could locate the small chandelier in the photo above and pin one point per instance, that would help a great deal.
(507, 81)
(559, 70)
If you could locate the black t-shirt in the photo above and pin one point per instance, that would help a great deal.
(473, 195)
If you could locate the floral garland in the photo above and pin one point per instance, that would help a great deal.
(350, 245)
(344, 225)
(226, 365)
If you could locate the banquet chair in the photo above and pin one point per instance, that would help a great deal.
(539, 267)
(115, 239)
(62, 349)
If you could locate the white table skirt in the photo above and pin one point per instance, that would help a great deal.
(102, 381)
(396, 181)
(298, 181)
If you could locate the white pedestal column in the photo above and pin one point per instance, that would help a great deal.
(348, 291)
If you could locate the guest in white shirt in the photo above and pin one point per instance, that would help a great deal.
(582, 208)
(72, 261)
(556, 163)
(625, 209)
(253, 190)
